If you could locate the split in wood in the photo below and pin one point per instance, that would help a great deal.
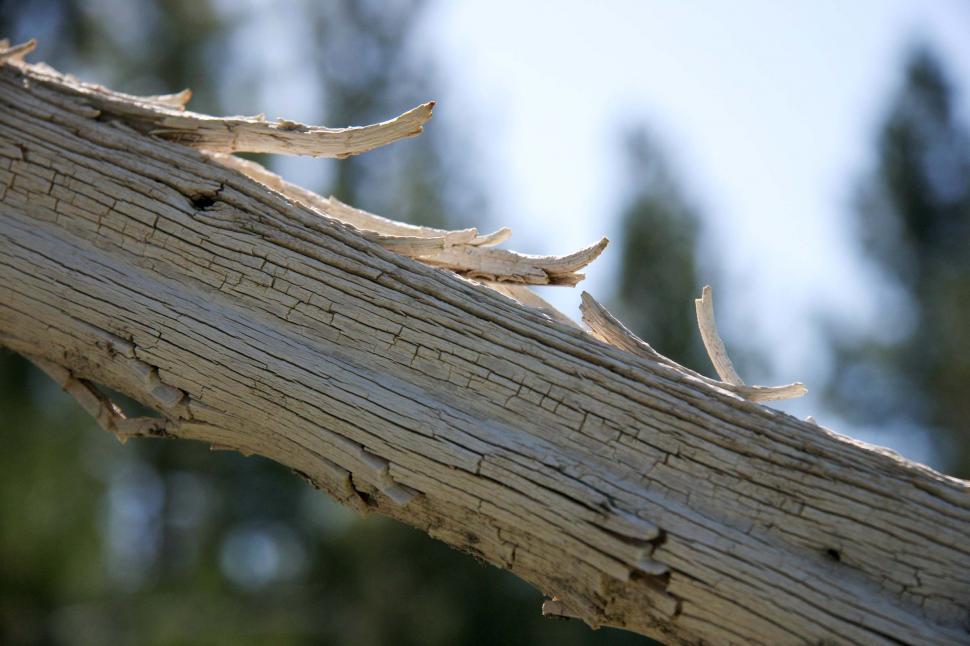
(608, 329)
(379, 470)
(105, 412)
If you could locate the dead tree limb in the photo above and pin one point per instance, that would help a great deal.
(631, 491)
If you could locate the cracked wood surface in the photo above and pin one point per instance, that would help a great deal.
(632, 493)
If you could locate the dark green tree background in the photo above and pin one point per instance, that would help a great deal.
(913, 222)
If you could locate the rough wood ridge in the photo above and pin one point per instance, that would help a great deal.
(374, 359)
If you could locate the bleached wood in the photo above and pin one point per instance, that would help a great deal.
(607, 328)
(633, 493)
(501, 265)
(166, 118)
(178, 100)
(712, 340)
(105, 412)
(370, 222)
(16, 52)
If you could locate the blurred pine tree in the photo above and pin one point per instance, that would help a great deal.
(659, 273)
(913, 219)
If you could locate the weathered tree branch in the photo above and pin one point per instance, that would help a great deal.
(634, 493)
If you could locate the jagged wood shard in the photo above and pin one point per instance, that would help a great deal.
(501, 265)
(166, 118)
(712, 340)
(255, 134)
(17, 52)
(608, 329)
(177, 101)
(105, 412)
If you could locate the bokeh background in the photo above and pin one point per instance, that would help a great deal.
(810, 160)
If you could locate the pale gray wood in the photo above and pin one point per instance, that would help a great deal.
(636, 495)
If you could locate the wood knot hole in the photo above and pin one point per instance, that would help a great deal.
(202, 202)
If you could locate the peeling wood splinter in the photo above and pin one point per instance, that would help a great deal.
(606, 327)
(105, 412)
(712, 340)
(719, 356)
(17, 52)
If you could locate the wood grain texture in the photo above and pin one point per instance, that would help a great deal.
(636, 495)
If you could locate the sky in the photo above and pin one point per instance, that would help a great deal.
(768, 111)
